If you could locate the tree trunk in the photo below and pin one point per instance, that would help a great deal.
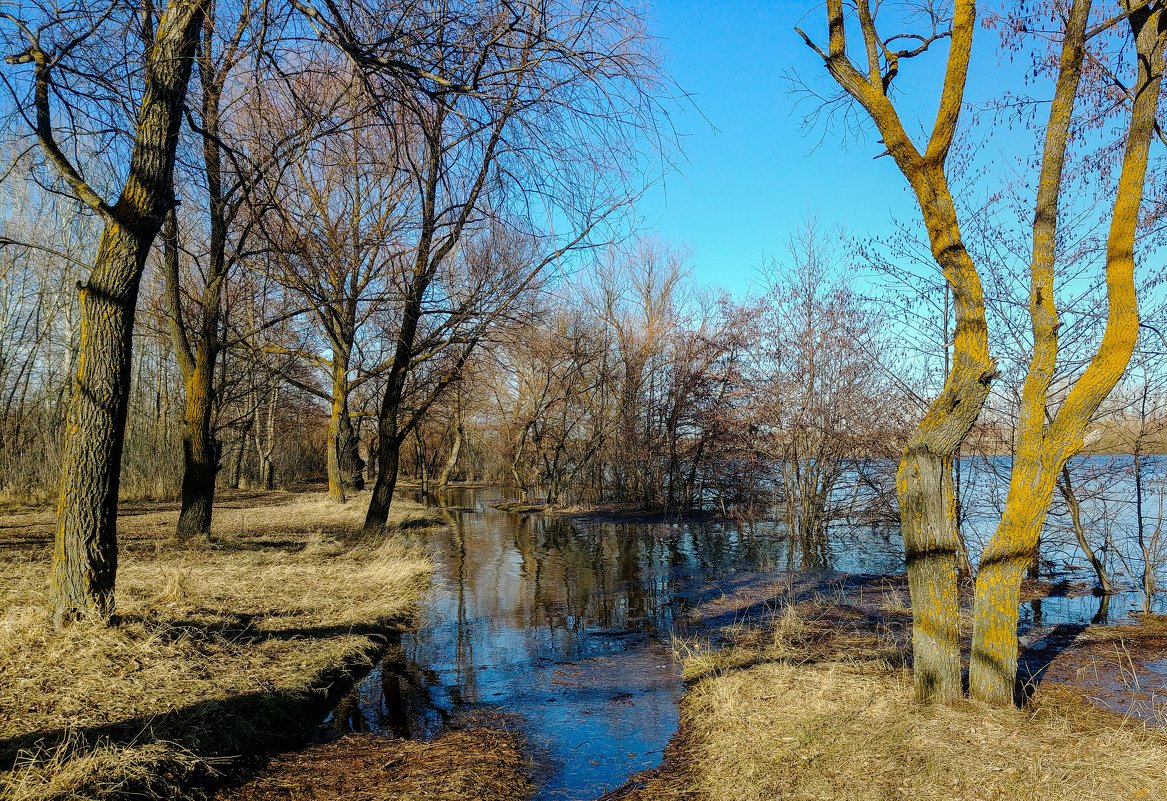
(352, 466)
(993, 669)
(200, 455)
(452, 461)
(1046, 445)
(339, 412)
(388, 463)
(85, 553)
(263, 450)
(236, 477)
(85, 550)
(345, 466)
(932, 554)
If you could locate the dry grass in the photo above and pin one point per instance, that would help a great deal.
(802, 713)
(222, 648)
(475, 764)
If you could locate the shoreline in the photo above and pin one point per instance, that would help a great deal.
(607, 512)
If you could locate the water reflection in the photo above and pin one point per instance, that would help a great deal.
(568, 626)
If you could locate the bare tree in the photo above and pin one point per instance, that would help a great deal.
(925, 477)
(1046, 439)
(85, 554)
(339, 235)
(516, 111)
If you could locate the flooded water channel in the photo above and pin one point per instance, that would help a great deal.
(567, 627)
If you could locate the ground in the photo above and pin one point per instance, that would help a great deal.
(797, 689)
(224, 647)
(479, 760)
(812, 699)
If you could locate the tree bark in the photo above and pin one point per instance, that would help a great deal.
(197, 358)
(352, 466)
(85, 550)
(200, 454)
(388, 463)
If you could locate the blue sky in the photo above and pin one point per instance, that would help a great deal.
(750, 171)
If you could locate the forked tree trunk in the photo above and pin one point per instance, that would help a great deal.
(85, 550)
(924, 479)
(1045, 446)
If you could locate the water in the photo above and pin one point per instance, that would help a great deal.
(567, 627)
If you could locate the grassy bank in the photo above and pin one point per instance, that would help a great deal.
(224, 648)
(813, 707)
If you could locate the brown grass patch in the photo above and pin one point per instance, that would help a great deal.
(805, 714)
(222, 648)
(475, 764)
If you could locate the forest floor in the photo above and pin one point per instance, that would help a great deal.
(224, 648)
(808, 695)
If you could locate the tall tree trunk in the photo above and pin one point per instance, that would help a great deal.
(338, 412)
(85, 549)
(924, 478)
(1045, 447)
(85, 553)
(198, 348)
(389, 438)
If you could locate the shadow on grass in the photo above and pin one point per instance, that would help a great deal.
(251, 725)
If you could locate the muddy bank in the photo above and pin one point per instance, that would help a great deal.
(479, 759)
